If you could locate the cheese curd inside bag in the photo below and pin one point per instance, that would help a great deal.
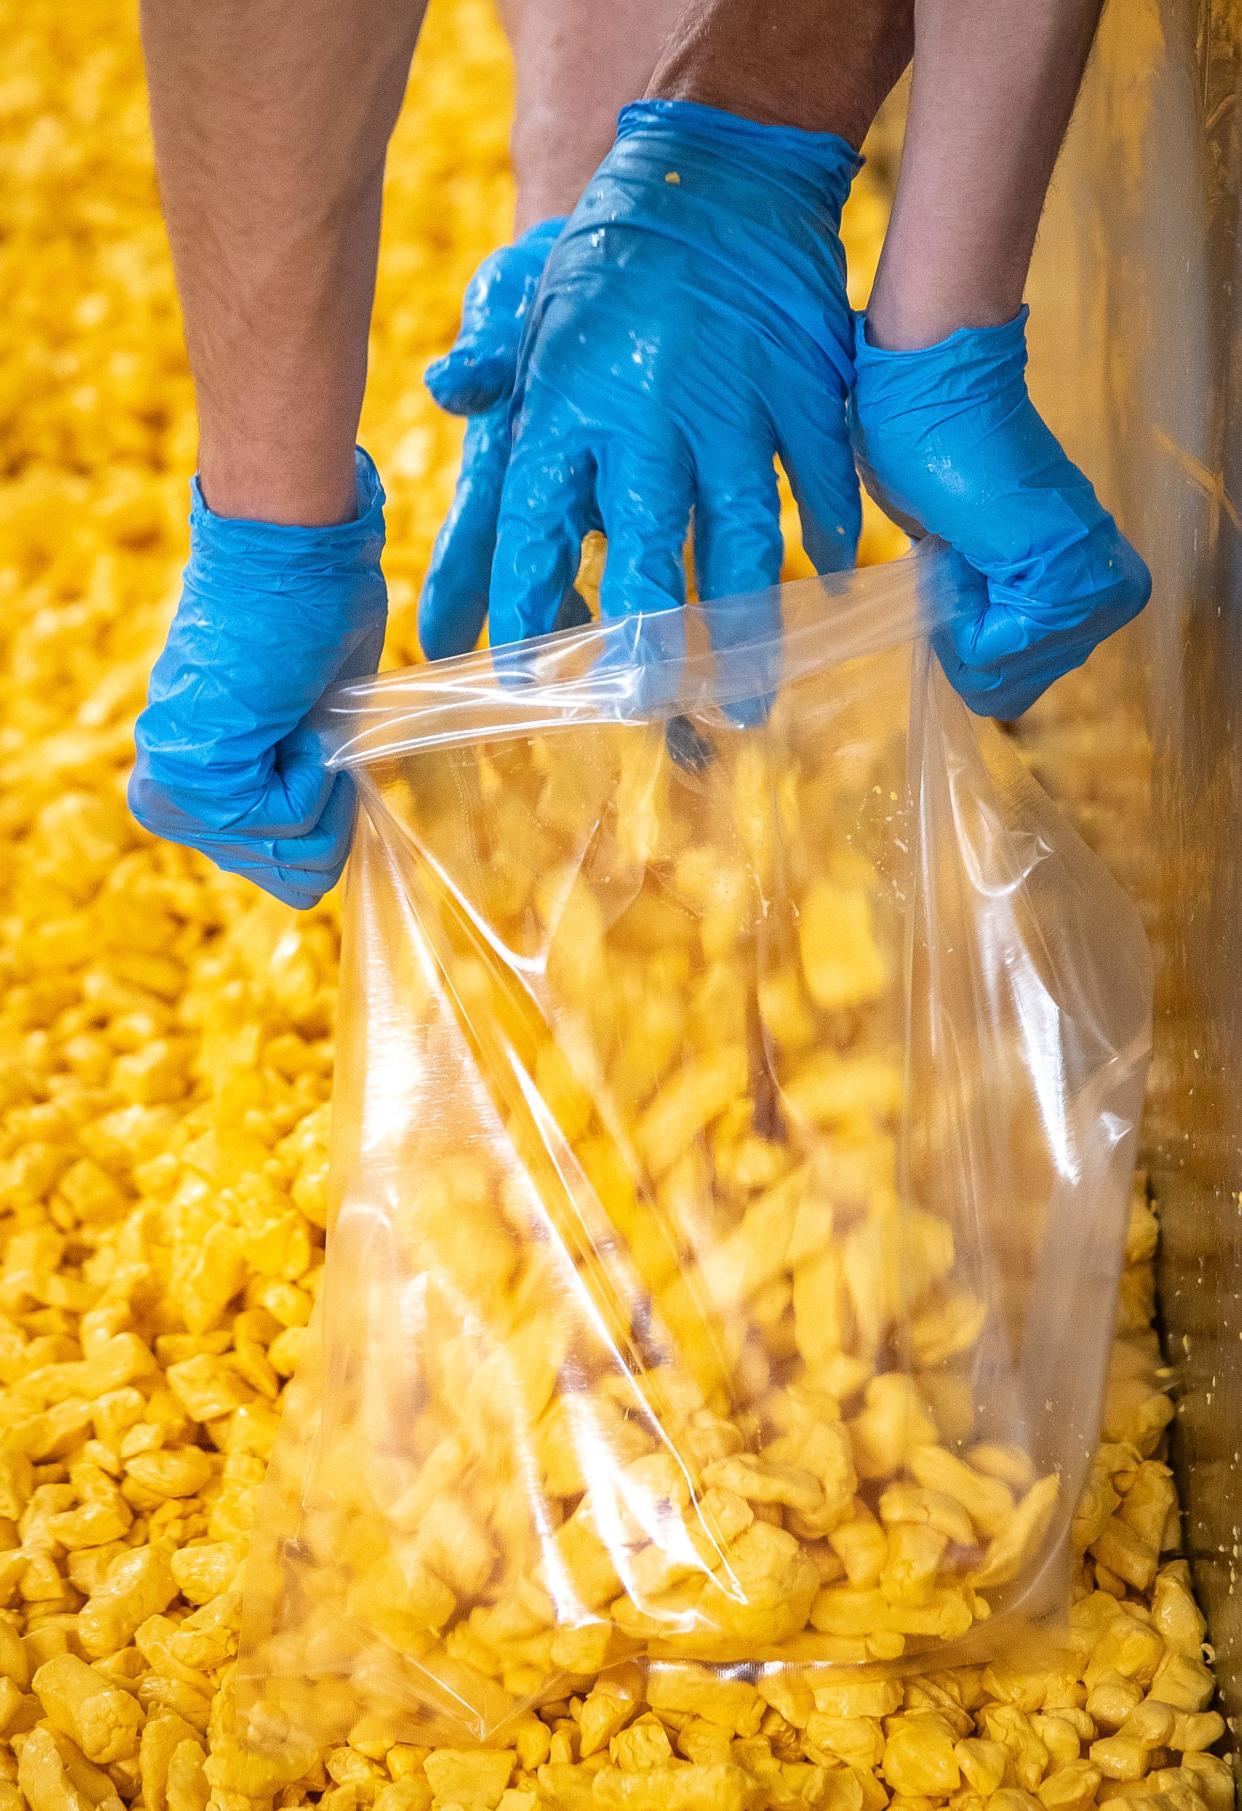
(735, 1107)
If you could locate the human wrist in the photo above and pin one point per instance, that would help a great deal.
(910, 313)
(728, 54)
(741, 85)
(307, 487)
(553, 159)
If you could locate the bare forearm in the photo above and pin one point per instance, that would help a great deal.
(823, 67)
(994, 86)
(577, 63)
(271, 122)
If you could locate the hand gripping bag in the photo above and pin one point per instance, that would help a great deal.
(732, 1136)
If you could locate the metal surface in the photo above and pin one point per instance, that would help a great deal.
(1138, 299)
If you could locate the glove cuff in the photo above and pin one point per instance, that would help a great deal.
(273, 557)
(783, 154)
(964, 348)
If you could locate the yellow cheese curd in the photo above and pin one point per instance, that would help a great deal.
(165, 1058)
(734, 1432)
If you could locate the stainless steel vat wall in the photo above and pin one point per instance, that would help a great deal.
(1137, 359)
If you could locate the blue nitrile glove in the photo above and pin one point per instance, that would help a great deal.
(476, 379)
(269, 617)
(691, 323)
(949, 443)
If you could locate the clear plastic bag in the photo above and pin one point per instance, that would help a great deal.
(732, 1137)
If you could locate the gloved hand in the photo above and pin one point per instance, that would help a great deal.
(269, 617)
(476, 379)
(949, 443)
(691, 323)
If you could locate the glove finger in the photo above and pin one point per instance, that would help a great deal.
(319, 851)
(361, 653)
(479, 369)
(299, 784)
(738, 550)
(289, 805)
(544, 507)
(955, 638)
(645, 494)
(453, 605)
(1006, 690)
(1093, 585)
(326, 842)
(816, 454)
(471, 379)
(289, 885)
(1011, 651)
(297, 795)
